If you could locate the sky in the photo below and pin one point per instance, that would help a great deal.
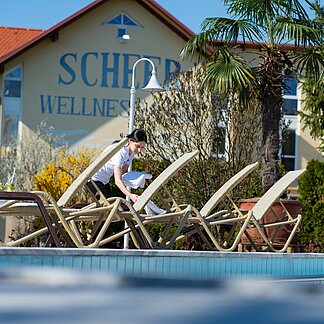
(43, 14)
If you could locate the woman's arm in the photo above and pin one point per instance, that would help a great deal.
(125, 168)
(118, 172)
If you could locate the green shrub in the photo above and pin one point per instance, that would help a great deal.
(311, 189)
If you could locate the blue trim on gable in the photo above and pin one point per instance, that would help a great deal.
(122, 20)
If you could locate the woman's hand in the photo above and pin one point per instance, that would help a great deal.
(118, 172)
(133, 197)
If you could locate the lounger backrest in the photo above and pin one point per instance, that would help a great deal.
(226, 188)
(265, 202)
(168, 173)
(80, 181)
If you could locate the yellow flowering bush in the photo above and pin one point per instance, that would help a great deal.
(57, 176)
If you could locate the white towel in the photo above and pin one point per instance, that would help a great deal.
(151, 209)
(135, 179)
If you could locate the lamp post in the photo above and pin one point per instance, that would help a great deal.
(152, 86)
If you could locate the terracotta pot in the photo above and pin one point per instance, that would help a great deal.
(277, 214)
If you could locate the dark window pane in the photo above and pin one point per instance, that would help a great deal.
(289, 140)
(12, 88)
(219, 143)
(129, 22)
(115, 21)
(290, 106)
(289, 163)
(121, 32)
(10, 130)
(14, 74)
(290, 86)
(222, 143)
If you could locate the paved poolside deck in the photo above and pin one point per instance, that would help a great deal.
(168, 264)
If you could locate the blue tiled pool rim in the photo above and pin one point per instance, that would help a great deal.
(168, 264)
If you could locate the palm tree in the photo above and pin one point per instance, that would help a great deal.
(312, 114)
(276, 26)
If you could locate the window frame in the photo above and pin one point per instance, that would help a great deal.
(11, 110)
(293, 122)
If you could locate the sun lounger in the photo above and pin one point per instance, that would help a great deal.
(115, 209)
(227, 209)
(256, 215)
(65, 215)
(9, 198)
(253, 217)
(135, 216)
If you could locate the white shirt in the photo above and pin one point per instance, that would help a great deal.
(121, 158)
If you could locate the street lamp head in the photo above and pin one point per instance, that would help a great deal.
(153, 85)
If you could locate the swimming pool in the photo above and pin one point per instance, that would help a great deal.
(56, 285)
(168, 264)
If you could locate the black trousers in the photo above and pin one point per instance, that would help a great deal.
(104, 188)
(114, 227)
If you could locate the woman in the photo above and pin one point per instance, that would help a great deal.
(118, 165)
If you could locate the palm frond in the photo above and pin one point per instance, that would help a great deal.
(300, 33)
(310, 62)
(232, 30)
(256, 11)
(293, 9)
(198, 44)
(227, 71)
(221, 29)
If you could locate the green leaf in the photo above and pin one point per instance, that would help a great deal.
(227, 71)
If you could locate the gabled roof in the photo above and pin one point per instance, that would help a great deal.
(12, 38)
(53, 33)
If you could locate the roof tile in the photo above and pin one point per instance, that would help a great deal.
(11, 38)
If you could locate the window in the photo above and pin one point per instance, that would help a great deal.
(290, 99)
(10, 130)
(288, 154)
(219, 144)
(12, 84)
(220, 140)
(11, 107)
(122, 21)
(290, 86)
(121, 32)
(290, 108)
(12, 88)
